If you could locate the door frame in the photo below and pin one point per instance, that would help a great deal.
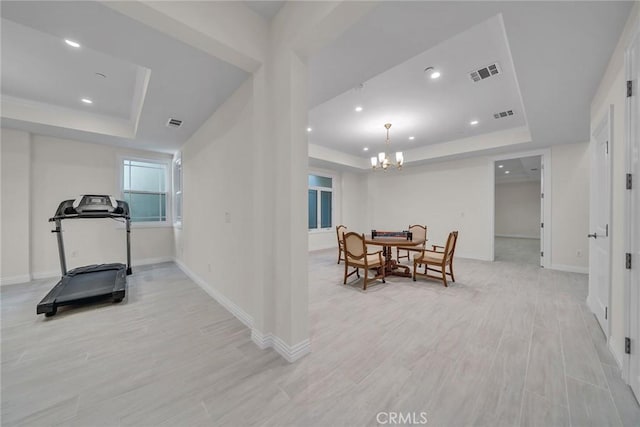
(546, 182)
(605, 120)
(632, 307)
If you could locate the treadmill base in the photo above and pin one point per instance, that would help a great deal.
(85, 285)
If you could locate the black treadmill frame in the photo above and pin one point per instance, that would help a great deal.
(66, 210)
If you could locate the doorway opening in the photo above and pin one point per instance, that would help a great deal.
(519, 210)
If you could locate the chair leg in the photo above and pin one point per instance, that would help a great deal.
(444, 276)
(339, 254)
(345, 273)
(453, 279)
(366, 273)
(415, 266)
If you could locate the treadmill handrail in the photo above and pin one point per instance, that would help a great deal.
(95, 215)
(67, 210)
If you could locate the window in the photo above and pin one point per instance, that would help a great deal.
(320, 202)
(177, 190)
(144, 187)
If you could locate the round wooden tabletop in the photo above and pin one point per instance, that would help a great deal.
(392, 241)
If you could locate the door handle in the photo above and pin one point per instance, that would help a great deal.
(594, 235)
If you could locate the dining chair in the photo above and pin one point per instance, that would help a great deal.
(439, 257)
(356, 256)
(340, 230)
(418, 232)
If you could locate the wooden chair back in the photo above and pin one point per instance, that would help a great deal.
(450, 248)
(340, 230)
(418, 232)
(354, 245)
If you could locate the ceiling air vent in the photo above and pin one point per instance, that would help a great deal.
(174, 123)
(485, 72)
(503, 114)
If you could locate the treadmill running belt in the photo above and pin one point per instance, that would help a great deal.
(87, 285)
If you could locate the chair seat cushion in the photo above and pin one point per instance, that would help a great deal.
(429, 257)
(372, 260)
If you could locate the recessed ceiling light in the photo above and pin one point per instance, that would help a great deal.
(432, 72)
(309, 129)
(72, 43)
(411, 138)
(358, 108)
(365, 149)
(500, 166)
(473, 122)
(506, 171)
(86, 101)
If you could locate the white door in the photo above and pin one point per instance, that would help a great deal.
(633, 212)
(542, 211)
(600, 209)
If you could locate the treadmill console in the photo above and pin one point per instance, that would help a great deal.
(93, 204)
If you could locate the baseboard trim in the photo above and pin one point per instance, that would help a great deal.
(157, 260)
(231, 307)
(570, 268)
(263, 341)
(517, 236)
(45, 275)
(14, 280)
(471, 257)
(289, 353)
(613, 348)
(136, 263)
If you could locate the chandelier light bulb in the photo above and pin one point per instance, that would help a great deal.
(383, 161)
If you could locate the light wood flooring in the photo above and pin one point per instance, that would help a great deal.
(507, 344)
(518, 250)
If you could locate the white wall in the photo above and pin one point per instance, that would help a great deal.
(215, 242)
(518, 209)
(16, 157)
(446, 196)
(61, 169)
(354, 201)
(457, 195)
(612, 91)
(570, 207)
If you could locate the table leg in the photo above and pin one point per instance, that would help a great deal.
(391, 266)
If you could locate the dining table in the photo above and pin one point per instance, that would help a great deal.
(393, 267)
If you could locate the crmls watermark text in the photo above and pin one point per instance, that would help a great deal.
(411, 418)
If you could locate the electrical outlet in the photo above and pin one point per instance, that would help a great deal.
(227, 217)
(209, 267)
(579, 253)
(74, 254)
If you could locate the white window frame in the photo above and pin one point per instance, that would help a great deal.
(177, 219)
(166, 162)
(319, 206)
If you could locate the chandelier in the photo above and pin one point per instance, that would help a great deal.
(383, 161)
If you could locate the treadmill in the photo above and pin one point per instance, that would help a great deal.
(90, 283)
